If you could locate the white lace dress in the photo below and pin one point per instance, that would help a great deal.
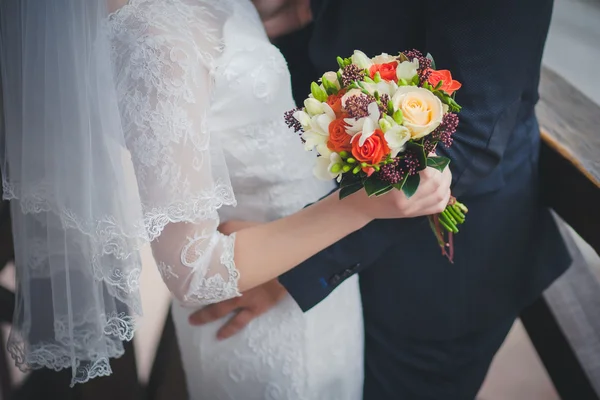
(203, 94)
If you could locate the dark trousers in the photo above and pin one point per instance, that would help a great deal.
(430, 369)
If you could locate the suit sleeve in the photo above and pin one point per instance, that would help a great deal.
(313, 280)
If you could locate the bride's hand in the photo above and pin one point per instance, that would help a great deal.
(431, 197)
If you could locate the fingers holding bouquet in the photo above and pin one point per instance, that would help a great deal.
(375, 124)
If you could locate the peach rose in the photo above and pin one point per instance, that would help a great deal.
(421, 109)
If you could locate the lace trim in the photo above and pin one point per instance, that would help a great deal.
(117, 327)
(216, 288)
(108, 234)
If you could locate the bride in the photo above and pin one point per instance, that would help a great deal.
(195, 92)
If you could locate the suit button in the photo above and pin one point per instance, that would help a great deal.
(355, 267)
(335, 280)
(347, 273)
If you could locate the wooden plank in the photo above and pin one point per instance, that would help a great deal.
(570, 124)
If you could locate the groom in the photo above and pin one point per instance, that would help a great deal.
(432, 328)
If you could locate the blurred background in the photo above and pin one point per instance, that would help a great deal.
(553, 352)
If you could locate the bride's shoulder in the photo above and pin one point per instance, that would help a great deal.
(196, 25)
(193, 19)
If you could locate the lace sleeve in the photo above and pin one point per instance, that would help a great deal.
(182, 177)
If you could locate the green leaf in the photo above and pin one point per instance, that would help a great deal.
(430, 57)
(350, 180)
(350, 189)
(377, 77)
(403, 58)
(317, 92)
(400, 184)
(411, 185)
(419, 151)
(376, 187)
(340, 62)
(438, 162)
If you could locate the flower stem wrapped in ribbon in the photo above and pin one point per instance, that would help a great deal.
(376, 122)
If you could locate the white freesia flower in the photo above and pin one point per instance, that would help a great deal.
(316, 133)
(383, 87)
(313, 106)
(332, 77)
(324, 165)
(383, 58)
(361, 60)
(407, 70)
(303, 118)
(396, 137)
(366, 125)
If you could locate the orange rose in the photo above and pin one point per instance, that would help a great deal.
(339, 140)
(387, 71)
(335, 101)
(448, 84)
(373, 151)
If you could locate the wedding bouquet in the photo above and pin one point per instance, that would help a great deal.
(376, 122)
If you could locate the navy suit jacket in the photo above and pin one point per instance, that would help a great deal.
(509, 250)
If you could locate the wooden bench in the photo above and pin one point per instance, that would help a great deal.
(570, 172)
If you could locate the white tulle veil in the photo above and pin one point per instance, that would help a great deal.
(77, 217)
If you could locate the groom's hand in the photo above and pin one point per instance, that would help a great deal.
(253, 303)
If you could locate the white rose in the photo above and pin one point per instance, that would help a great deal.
(324, 167)
(332, 77)
(383, 58)
(407, 70)
(361, 60)
(422, 110)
